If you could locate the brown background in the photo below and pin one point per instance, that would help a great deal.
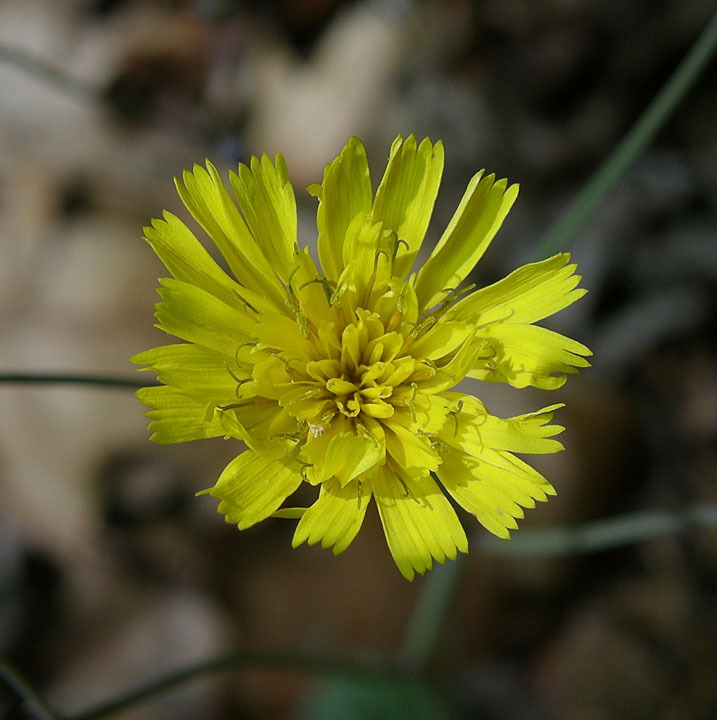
(112, 572)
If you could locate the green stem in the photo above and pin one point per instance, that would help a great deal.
(602, 534)
(629, 149)
(433, 602)
(49, 74)
(34, 703)
(375, 672)
(434, 599)
(72, 379)
(436, 594)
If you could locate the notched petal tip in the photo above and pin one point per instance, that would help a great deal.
(315, 190)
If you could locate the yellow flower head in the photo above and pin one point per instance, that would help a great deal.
(341, 376)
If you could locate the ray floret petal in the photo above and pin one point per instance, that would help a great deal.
(341, 375)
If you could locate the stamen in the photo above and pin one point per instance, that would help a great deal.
(304, 465)
(397, 244)
(325, 284)
(234, 377)
(398, 312)
(359, 494)
(336, 295)
(437, 370)
(407, 492)
(291, 300)
(410, 403)
(239, 381)
(424, 325)
(431, 364)
(440, 446)
(488, 360)
(401, 296)
(503, 319)
(453, 294)
(245, 302)
(455, 413)
(375, 259)
(285, 436)
(369, 289)
(233, 406)
(252, 341)
(304, 396)
(287, 361)
(363, 431)
(291, 277)
(294, 305)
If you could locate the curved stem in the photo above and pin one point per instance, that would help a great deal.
(48, 73)
(434, 599)
(437, 590)
(72, 379)
(376, 672)
(629, 149)
(439, 586)
(603, 534)
(35, 704)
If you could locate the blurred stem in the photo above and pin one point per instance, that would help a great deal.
(602, 534)
(72, 379)
(374, 672)
(433, 602)
(629, 149)
(434, 599)
(35, 706)
(49, 74)
(436, 593)
(438, 588)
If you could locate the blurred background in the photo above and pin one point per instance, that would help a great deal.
(112, 572)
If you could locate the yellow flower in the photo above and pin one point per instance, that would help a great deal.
(341, 377)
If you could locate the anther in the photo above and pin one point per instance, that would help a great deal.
(317, 429)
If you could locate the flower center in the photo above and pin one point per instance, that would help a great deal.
(354, 376)
(367, 390)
